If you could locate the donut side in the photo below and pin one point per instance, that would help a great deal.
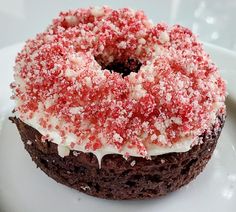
(118, 178)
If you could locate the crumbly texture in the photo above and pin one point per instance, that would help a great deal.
(118, 178)
(63, 82)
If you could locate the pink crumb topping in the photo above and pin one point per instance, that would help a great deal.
(170, 98)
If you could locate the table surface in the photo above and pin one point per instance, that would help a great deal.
(213, 20)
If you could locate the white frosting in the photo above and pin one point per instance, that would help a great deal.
(152, 149)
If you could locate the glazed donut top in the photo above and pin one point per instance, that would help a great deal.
(64, 89)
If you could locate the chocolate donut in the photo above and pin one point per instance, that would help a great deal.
(105, 96)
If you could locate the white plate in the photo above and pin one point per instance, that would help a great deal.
(23, 188)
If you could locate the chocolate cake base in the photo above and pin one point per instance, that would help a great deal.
(118, 178)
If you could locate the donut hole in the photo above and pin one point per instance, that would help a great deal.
(121, 66)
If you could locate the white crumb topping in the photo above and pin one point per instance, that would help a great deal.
(138, 91)
(97, 11)
(154, 137)
(76, 110)
(141, 41)
(117, 137)
(168, 97)
(63, 151)
(122, 45)
(163, 161)
(70, 73)
(133, 163)
(176, 120)
(164, 37)
(29, 142)
(88, 81)
(85, 187)
(75, 153)
(71, 20)
(162, 139)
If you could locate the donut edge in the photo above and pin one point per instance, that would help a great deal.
(118, 178)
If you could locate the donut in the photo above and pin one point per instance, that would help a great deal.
(105, 95)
